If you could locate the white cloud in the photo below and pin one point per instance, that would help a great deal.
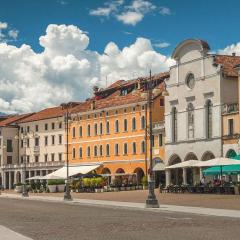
(130, 18)
(165, 11)
(3, 25)
(13, 34)
(129, 14)
(161, 45)
(234, 48)
(66, 70)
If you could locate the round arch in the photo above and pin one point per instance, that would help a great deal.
(140, 173)
(190, 156)
(207, 156)
(176, 175)
(120, 170)
(106, 171)
(231, 153)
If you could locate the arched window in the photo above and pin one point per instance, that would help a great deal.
(174, 124)
(116, 126)
(143, 147)
(88, 130)
(134, 124)
(73, 153)
(208, 108)
(100, 150)
(101, 129)
(125, 149)
(190, 119)
(80, 131)
(125, 125)
(80, 152)
(88, 151)
(107, 150)
(95, 129)
(143, 122)
(116, 149)
(95, 151)
(134, 148)
(74, 132)
(107, 128)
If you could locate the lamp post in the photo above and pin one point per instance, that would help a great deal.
(67, 194)
(151, 201)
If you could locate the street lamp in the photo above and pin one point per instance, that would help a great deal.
(67, 194)
(151, 201)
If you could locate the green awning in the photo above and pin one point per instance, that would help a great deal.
(228, 170)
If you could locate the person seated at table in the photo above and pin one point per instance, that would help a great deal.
(216, 182)
(223, 180)
(202, 181)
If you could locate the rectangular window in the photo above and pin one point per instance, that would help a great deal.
(9, 159)
(95, 129)
(59, 157)
(52, 157)
(60, 125)
(88, 130)
(162, 102)
(160, 140)
(80, 131)
(36, 128)
(21, 143)
(9, 145)
(101, 129)
(116, 150)
(53, 140)
(46, 140)
(230, 127)
(28, 129)
(28, 142)
(46, 127)
(45, 157)
(80, 152)
(60, 139)
(153, 141)
(107, 128)
(107, 150)
(21, 129)
(53, 125)
(36, 158)
(28, 158)
(36, 142)
(88, 151)
(21, 160)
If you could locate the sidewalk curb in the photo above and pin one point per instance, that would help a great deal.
(134, 206)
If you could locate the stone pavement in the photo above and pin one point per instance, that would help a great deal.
(8, 234)
(133, 205)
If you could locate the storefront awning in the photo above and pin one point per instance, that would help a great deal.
(73, 170)
(159, 167)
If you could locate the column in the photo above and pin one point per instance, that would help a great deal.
(10, 181)
(168, 177)
(4, 180)
(200, 174)
(185, 176)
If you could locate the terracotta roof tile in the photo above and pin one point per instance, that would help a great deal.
(228, 64)
(14, 119)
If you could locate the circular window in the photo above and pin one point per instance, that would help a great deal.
(190, 81)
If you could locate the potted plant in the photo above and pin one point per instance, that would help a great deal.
(60, 185)
(86, 184)
(52, 186)
(18, 187)
(145, 182)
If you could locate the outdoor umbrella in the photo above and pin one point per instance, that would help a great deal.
(185, 164)
(218, 162)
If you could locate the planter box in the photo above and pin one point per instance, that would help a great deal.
(236, 190)
(116, 189)
(18, 189)
(61, 188)
(52, 188)
(98, 190)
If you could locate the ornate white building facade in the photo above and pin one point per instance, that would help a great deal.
(199, 85)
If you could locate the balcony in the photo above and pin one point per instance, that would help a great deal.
(231, 136)
(230, 108)
(159, 126)
(36, 150)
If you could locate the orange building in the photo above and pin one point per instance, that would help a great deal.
(110, 128)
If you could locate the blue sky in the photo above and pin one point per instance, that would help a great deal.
(215, 21)
(54, 51)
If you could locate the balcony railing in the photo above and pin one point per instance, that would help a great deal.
(158, 126)
(230, 108)
(35, 164)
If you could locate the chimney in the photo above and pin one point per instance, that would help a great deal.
(233, 54)
(93, 104)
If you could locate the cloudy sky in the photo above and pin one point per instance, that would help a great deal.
(56, 51)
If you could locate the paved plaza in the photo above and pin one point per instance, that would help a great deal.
(57, 221)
